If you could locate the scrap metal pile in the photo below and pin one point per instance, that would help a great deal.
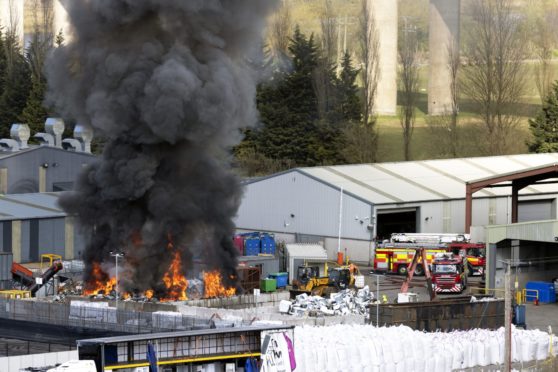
(345, 302)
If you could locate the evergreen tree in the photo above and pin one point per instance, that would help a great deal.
(349, 106)
(545, 126)
(288, 107)
(16, 85)
(2, 62)
(34, 112)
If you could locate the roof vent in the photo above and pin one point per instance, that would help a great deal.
(84, 134)
(9, 145)
(72, 144)
(20, 133)
(55, 127)
(45, 139)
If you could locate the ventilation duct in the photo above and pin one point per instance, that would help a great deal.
(9, 145)
(84, 134)
(20, 133)
(55, 127)
(44, 139)
(72, 144)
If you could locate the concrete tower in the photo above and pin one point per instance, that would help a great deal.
(60, 22)
(443, 31)
(11, 17)
(385, 17)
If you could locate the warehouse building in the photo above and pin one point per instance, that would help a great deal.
(31, 177)
(351, 207)
(33, 224)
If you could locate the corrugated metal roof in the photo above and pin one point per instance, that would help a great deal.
(307, 251)
(414, 181)
(29, 206)
(8, 154)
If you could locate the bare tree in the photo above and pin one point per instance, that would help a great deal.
(43, 34)
(543, 40)
(408, 86)
(445, 127)
(326, 61)
(279, 34)
(494, 79)
(368, 52)
(11, 33)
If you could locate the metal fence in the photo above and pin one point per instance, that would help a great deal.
(104, 318)
(11, 347)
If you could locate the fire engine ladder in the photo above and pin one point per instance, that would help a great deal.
(419, 252)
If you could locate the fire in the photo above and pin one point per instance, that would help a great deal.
(149, 294)
(100, 281)
(175, 281)
(213, 286)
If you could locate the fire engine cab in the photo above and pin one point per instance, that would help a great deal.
(449, 273)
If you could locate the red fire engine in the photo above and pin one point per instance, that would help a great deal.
(395, 258)
(475, 254)
(449, 273)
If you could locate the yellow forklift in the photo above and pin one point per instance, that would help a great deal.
(309, 280)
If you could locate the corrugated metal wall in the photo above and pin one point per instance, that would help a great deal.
(40, 236)
(295, 203)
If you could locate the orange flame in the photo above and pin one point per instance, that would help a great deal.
(213, 286)
(175, 281)
(100, 281)
(149, 294)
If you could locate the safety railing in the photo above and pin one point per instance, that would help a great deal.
(525, 295)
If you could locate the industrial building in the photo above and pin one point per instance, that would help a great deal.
(351, 207)
(31, 177)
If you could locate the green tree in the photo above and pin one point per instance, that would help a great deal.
(288, 107)
(349, 106)
(16, 84)
(545, 125)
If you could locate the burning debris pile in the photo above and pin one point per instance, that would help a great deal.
(342, 303)
(167, 85)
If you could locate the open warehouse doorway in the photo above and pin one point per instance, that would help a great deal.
(391, 221)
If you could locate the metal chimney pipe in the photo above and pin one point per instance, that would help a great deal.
(84, 134)
(21, 134)
(55, 127)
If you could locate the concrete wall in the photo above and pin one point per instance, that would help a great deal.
(386, 17)
(443, 33)
(17, 363)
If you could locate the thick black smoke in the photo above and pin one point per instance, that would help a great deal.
(168, 84)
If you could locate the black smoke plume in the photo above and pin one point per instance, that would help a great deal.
(167, 84)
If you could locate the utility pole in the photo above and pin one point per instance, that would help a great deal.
(116, 256)
(508, 318)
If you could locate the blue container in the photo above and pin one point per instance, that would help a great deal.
(267, 244)
(519, 318)
(281, 279)
(252, 246)
(546, 291)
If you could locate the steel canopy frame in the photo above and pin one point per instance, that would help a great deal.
(515, 180)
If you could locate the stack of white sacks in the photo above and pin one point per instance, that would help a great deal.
(367, 348)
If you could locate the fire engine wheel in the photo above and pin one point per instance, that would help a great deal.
(402, 269)
(419, 270)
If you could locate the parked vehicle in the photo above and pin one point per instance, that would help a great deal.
(449, 273)
(396, 258)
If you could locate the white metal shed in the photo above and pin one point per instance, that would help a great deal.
(297, 254)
